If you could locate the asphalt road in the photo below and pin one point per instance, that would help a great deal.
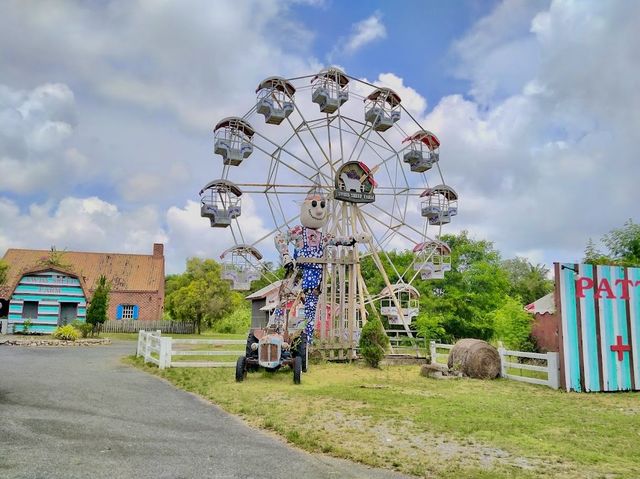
(80, 413)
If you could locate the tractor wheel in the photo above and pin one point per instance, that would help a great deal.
(241, 369)
(297, 369)
(303, 352)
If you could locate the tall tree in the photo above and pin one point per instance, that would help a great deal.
(476, 286)
(527, 281)
(199, 295)
(622, 245)
(97, 310)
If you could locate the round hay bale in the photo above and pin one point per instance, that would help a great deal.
(475, 358)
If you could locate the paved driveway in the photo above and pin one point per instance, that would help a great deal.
(80, 413)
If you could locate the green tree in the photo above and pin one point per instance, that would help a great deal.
(97, 310)
(624, 244)
(527, 281)
(476, 286)
(592, 255)
(374, 342)
(199, 295)
(512, 325)
(622, 247)
(4, 268)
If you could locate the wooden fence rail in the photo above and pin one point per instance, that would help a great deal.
(507, 366)
(133, 326)
(160, 350)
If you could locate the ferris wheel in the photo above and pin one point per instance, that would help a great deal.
(379, 168)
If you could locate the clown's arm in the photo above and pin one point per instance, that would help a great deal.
(282, 240)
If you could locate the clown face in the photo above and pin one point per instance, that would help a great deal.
(313, 213)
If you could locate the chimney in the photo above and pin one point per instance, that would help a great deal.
(158, 250)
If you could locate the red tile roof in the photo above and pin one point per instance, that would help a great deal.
(126, 272)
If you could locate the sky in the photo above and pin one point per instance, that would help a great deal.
(107, 109)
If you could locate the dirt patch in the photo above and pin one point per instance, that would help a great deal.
(401, 442)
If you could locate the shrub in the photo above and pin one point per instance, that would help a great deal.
(236, 322)
(67, 332)
(26, 326)
(512, 326)
(83, 328)
(373, 342)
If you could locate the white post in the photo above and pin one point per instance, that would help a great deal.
(432, 351)
(140, 343)
(147, 347)
(553, 372)
(4, 326)
(503, 362)
(165, 353)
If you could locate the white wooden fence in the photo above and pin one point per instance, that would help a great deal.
(507, 364)
(161, 351)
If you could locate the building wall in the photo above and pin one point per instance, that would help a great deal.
(150, 305)
(48, 289)
(545, 330)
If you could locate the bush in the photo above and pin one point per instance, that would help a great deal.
(67, 332)
(26, 326)
(373, 342)
(83, 328)
(236, 322)
(512, 326)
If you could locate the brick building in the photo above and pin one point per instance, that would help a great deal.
(50, 293)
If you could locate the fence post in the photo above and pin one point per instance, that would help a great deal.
(4, 326)
(553, 373)
(147, 347)
(140, 343)
(162, 354)
(432, 351)
(503, 362)
(165, 353)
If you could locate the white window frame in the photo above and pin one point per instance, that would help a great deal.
(127, 311)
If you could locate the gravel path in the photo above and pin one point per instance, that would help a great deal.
(80, 413)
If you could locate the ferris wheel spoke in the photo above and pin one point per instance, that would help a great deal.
(287, 164)
(368, 229)
(296, 157)
(312, 133)
(374, 217)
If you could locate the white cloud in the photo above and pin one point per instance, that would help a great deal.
(191, 235)
(35, 126)
(80, 224)
(544, 152)
(362, 33)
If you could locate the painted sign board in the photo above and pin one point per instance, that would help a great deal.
(599, 326)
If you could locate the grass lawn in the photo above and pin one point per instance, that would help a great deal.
(460, 428)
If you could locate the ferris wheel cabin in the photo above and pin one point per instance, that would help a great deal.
(240, 266)
(275, 99)
(440, 204)
(423, 152)
(407, 297)
(433, 259)
(220, 202)
(330, 89)
(382, 109)
(233, 140)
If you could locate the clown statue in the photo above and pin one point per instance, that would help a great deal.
(310, 242)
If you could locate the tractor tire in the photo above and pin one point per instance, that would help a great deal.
(297, 369)
(241, 369)
(303, 352)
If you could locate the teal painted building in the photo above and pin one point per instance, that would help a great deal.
(599, 327)
(45, 300)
